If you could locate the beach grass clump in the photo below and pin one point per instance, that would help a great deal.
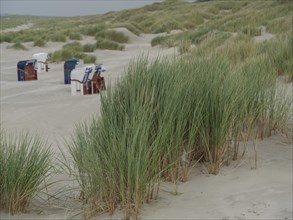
(39, 42)
(74, 46)
(147, 132)
(25, 36)
(57, 37)
(166, 41)
(210, 43)
(279, 53)
(237, 49)
(138, 154)
(166, 26)
(74, 36)
(5, 38)
(267, 106)
(92, 30)
(64, 54)
(75, 49)
(89, 47)
(157, 41)
(89, 58)
(18, 46)
(112, 35)
(184, 46)
(108, 44)
(251, 31)
(280, 25)
(25, 164)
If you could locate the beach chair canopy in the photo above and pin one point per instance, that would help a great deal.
(100, 68)
(41, 57)
(23, 63)
(84, 74)
(69, 65)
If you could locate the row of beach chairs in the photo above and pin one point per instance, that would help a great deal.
(84, 80)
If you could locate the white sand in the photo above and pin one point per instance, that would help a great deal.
(46, 107)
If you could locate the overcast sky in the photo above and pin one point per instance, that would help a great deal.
(69, 7)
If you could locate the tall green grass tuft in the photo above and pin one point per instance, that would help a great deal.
(164, 116)
(25, 162)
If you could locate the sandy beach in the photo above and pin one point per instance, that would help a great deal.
(46, 107)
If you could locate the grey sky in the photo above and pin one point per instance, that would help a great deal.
(69, 7)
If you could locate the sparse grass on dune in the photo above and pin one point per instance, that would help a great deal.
(132, 28)
(112, 35)
(14, 21)
(75, 49)
(199, 19)
(92, 30)
(240, 48)
(25, 164)
(108, 44)
(276, 15)
(57, 37)
(65, 54)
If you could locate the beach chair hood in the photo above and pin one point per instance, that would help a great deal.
(23, 63)
(84, 74)
(41, 57)
(69, 65)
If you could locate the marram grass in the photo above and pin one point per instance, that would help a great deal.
(25, 164)
(165, 115)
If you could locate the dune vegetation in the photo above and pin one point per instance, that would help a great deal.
(25, 162)
(148, 132)
(167, 114)
(196, 20)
